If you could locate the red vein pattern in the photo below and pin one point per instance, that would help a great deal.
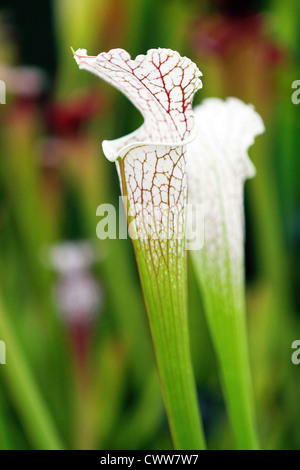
(155, 182)
(161, 84)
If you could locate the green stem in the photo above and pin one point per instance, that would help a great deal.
(225, 311)
(235, 368)
(32, 409)
(166, 303)
(238, 388)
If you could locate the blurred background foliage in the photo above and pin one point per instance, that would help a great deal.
(80, 370)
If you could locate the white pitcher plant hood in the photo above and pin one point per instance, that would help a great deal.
(218, 165)
(161, 85)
